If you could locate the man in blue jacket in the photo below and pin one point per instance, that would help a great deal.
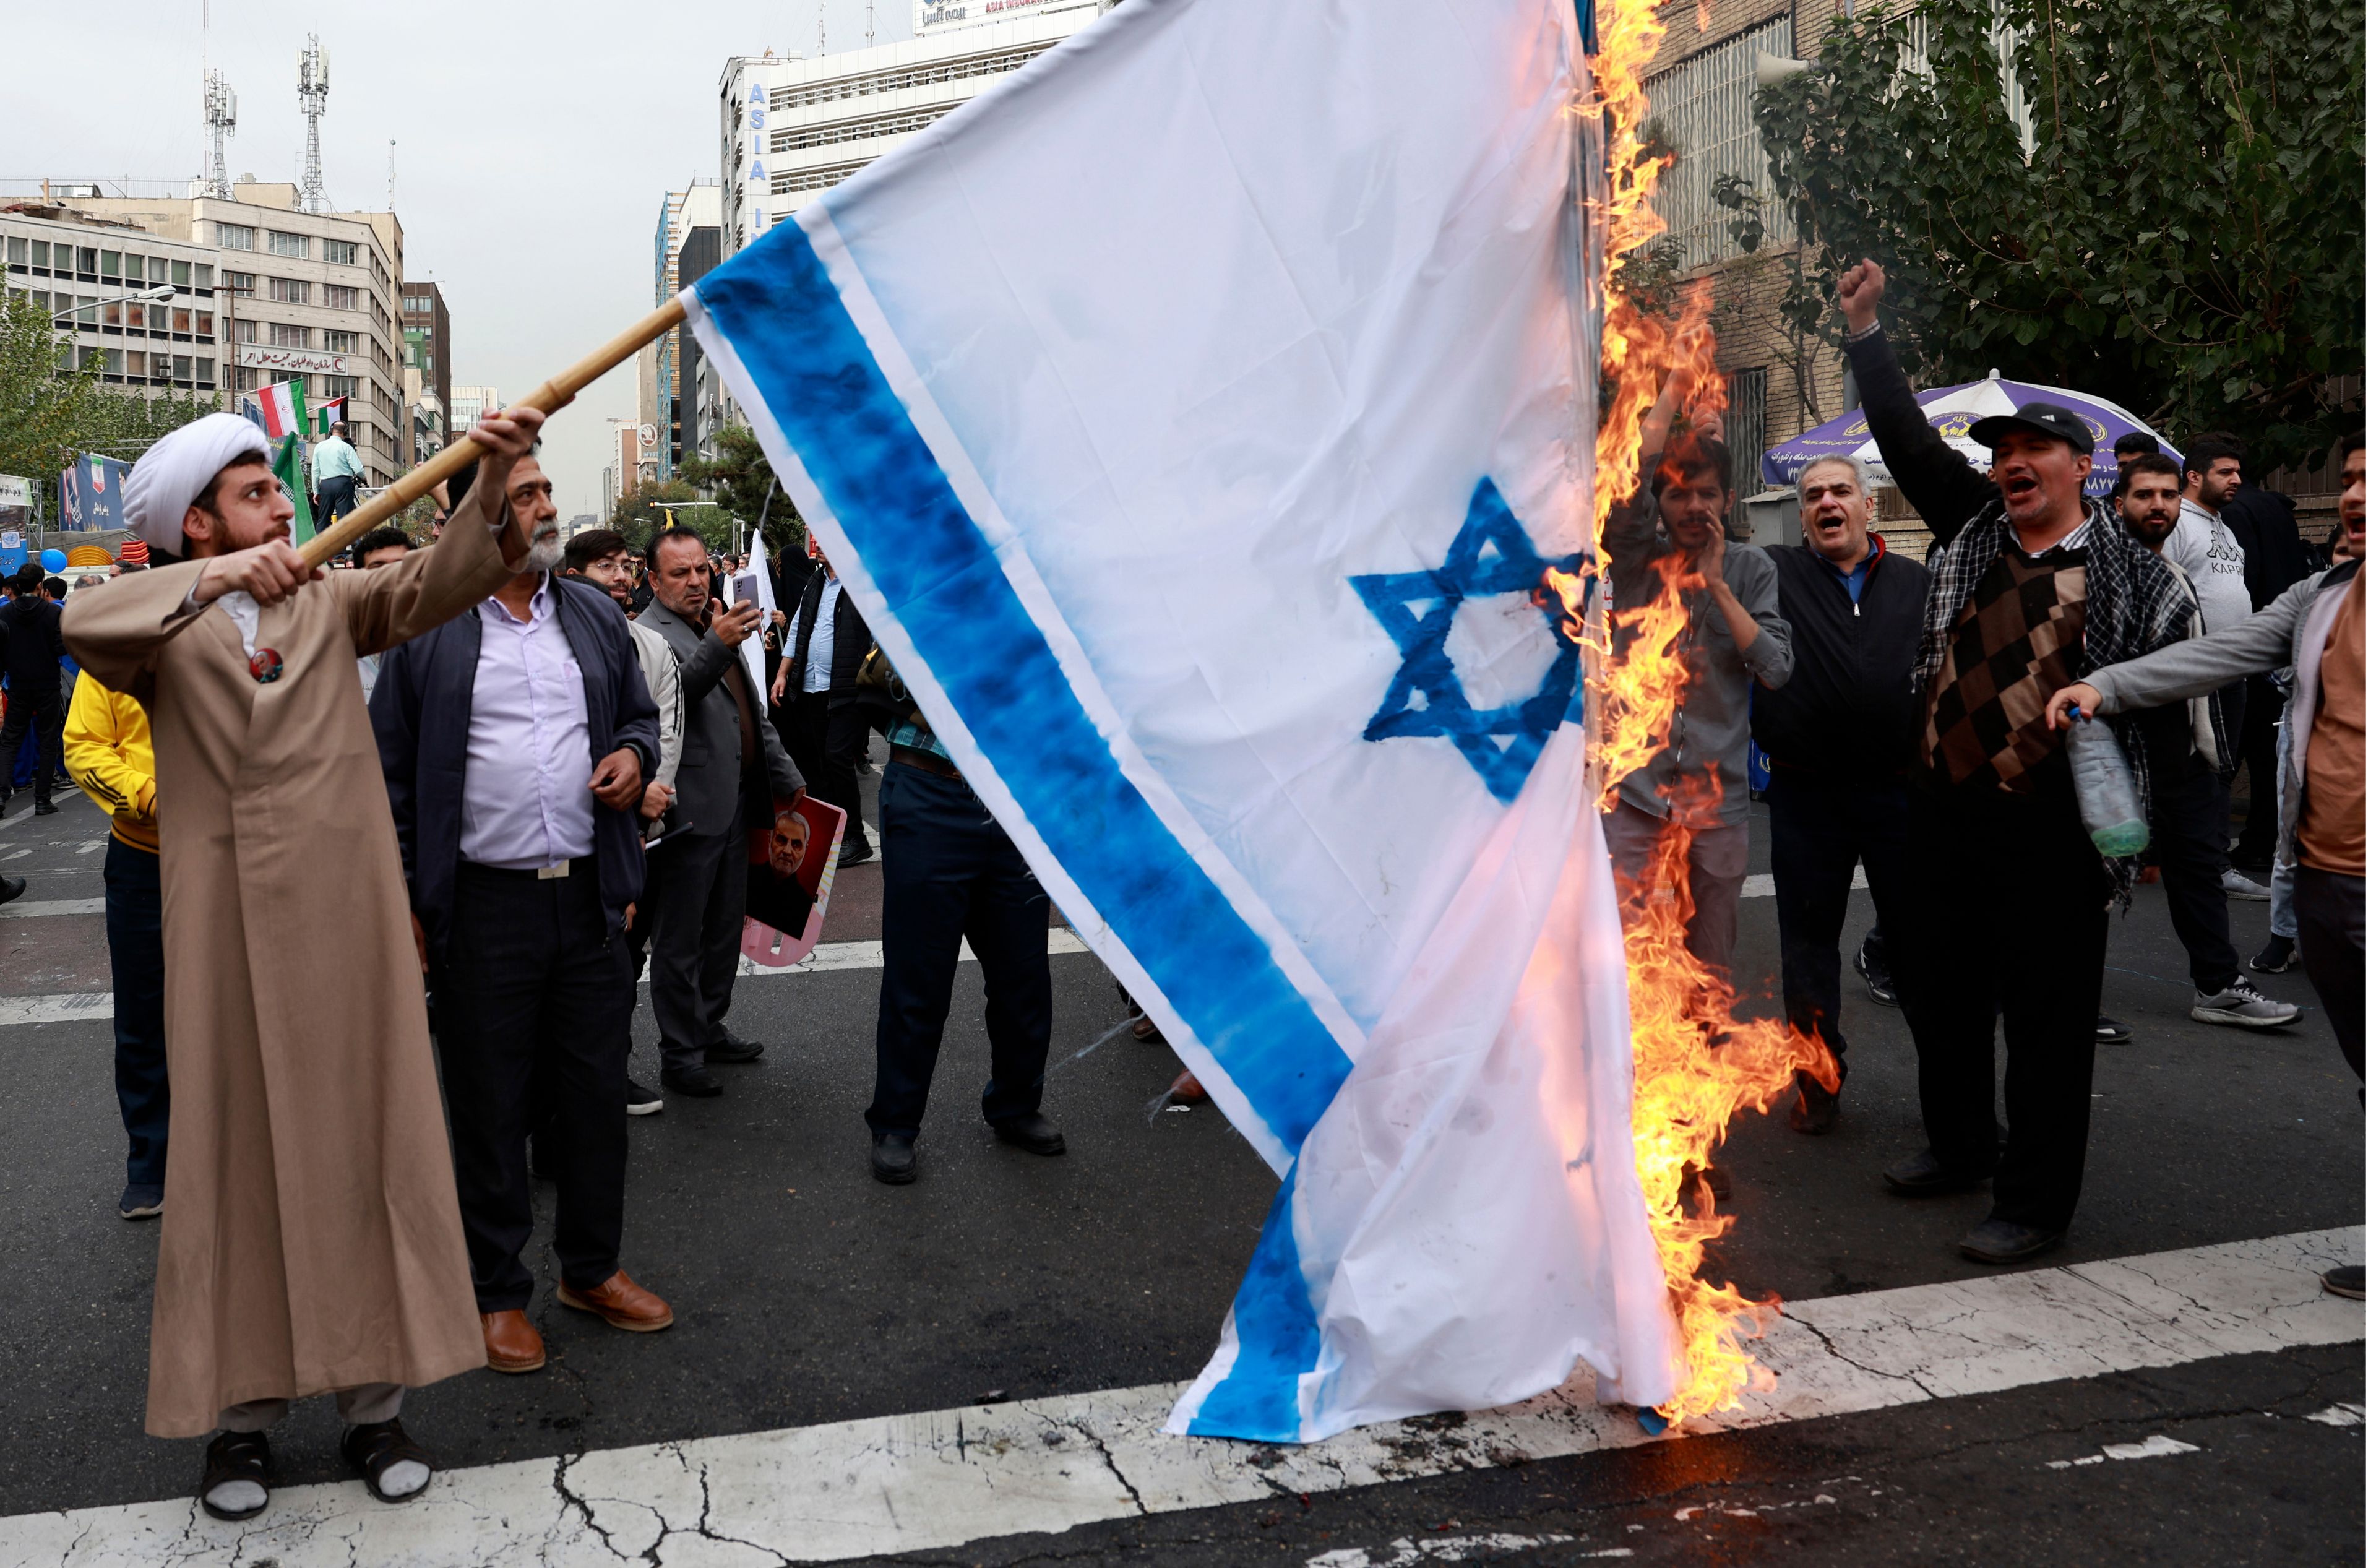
(516, 742)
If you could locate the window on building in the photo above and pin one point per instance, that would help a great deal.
(337, 386)
(134, 267)
(88, 313)
(18, 252)
(341, 342)
(1704, 105)
(181, 275)
(204, 324)
(206, 370)
(338, 253)
(290, 290)
(285, 336)
(235, 236)
(206, 278)
(111, 264)
(180, 320)
(87, 260)
(42, 254)
(339, 296)
(181, 367)
(281, 243)
(245, 378)
(136, 364)
(111, 316)
(244, 329)
(86, 357)
(1744, 432)
(241, 283)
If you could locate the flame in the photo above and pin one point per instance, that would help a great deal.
(1695, 1065)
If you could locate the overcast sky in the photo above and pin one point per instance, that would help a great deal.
(533, 143)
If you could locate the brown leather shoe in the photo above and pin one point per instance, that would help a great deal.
(513, 1343)
(621, 1303)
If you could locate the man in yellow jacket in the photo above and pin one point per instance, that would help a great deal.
(106, 752)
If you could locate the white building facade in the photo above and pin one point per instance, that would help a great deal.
(305, 296)
(789, 128)
(84, 268)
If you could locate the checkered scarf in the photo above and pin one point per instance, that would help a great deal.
(2136, 604)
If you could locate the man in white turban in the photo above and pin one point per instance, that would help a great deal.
(312, 1244)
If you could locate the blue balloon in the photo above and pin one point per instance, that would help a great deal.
(53, 560)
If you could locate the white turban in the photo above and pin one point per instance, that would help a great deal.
(172, 475)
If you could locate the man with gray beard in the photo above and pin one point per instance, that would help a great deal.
(516, 742)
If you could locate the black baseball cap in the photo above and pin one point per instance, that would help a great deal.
(2046, 419)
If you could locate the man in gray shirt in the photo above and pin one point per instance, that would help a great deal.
(1735, 634)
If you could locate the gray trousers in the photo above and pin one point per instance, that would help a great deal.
(360, 1405)
(695, 885)
(1719, 864)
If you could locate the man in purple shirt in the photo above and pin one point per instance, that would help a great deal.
(516, 742)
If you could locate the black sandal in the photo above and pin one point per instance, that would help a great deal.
(373, 1447)
(237, 1457)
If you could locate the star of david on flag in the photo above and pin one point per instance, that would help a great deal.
(1490, 556)
(1193, 415)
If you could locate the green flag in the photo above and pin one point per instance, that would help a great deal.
(289, 465)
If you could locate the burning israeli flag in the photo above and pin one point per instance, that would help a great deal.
(1194, 419)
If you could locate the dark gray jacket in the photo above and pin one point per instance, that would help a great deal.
(713, 793)
(421, 715)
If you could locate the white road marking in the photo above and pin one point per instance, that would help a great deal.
(2155, 1447)
(1762, 884)
(2339, 1416)
(93, 845)
(35, 909)
(16, 855)
(941, 1478)
(81, 1007)
(1404, 1550)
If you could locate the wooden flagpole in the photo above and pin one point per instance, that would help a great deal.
(550, 398)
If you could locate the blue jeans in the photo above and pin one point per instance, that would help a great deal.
(950, 873)
(136, 959)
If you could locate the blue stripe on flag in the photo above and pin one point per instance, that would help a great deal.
(1278, 1339)
(809, 364)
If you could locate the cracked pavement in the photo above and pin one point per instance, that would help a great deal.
(807, 1294)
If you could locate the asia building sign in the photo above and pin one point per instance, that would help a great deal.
(296, 361)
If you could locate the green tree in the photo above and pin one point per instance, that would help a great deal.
(2184, 236)
(745, 487)
(639, 513)
(45, 401)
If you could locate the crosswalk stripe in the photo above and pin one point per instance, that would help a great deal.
(935, 1480)
(83, 1006)
(36, 909)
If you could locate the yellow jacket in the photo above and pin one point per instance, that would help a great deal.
(109, 755)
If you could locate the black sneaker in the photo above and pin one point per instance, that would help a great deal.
(45, 808)
(2350, 1280)
(641, 1101)
(733, 1049)
(2278, 956)
(855, 853)
(695, 1081)
(1033, 1133)
(894, 1160)
(1877, 983)
(141, 1201)
(2111, 1031)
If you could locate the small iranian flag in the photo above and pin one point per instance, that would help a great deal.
(289, 467)
(283, 407)
(330, 413)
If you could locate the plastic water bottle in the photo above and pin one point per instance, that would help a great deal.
(2107, 793)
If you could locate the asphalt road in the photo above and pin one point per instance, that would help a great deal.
(806, 1292)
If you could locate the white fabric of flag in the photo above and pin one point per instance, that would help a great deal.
(1193, 416)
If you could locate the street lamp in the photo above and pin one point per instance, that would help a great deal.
(156, 295)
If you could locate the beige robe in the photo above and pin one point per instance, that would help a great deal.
(311, 1240)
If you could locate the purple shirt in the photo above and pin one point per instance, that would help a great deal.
(525, 801)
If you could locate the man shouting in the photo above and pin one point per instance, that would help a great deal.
(311, 1241)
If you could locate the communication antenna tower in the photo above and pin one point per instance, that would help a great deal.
(820, 28)
(870, 24)
(314, 97)
(222, 119)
